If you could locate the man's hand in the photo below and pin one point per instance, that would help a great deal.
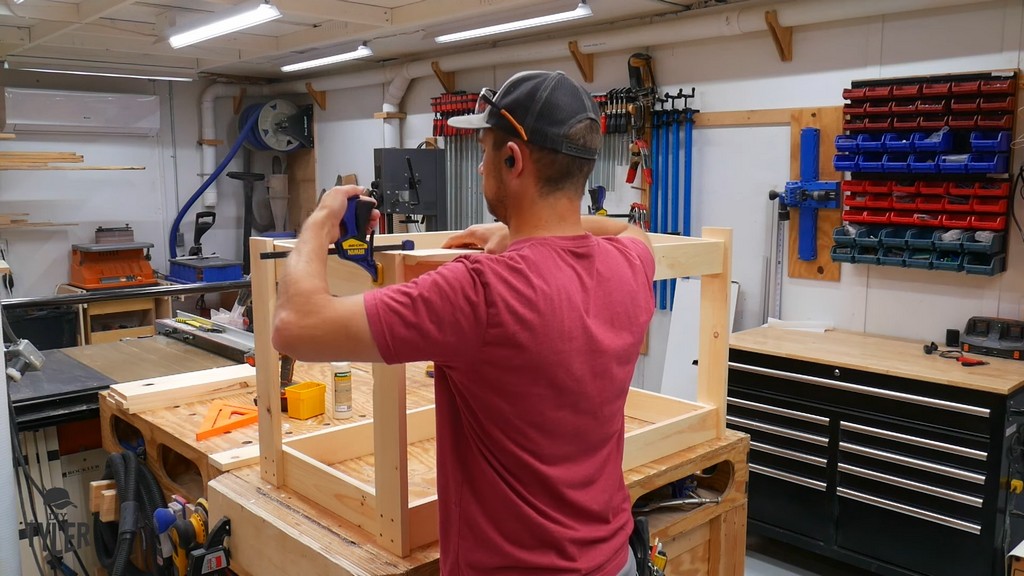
(493, 238)
(333, 205)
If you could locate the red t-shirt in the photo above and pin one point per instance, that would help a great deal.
(534, 350)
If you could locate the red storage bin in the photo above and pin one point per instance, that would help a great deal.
(989, 205)
(856, 200)
(966, 87)
(935, 89)
(955, 220)
(904, 106)
(1001, 121)
(878, 91)
(931, 203)
(934, 121)
(906, 90)
(929, 187)
(934, 106)
(996, 103)
(853, 124)
(986, 222)
(998, 86)
(854, 108)
(878, 201)
(908, 187)
(992, 189)
(904, 201)
(878, 122)
(877, 108)
(854, 93)
(964, 104)
(963, 121)
(854, 216)
(878, 186)
(906, 122)
(915, 218)
(852, 186)
(961, 188)
(956, 204)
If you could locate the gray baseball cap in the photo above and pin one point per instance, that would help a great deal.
(539, 107)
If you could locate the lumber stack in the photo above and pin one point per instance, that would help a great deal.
(51, 161)
(176, 389)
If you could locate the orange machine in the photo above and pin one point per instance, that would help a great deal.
(114, 261)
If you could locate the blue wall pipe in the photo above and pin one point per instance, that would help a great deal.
(242, 136)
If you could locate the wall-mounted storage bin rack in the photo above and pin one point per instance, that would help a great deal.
(927, 155)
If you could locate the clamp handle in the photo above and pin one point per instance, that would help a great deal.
(354, 243)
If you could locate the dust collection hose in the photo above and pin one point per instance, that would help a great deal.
(140, 495)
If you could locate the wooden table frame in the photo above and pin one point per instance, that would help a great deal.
(384, 509)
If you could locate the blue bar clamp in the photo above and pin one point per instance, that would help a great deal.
(355, 244)
(808, 194)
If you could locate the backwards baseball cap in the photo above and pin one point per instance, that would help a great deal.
(539, 107)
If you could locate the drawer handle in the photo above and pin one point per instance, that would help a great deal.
(913, 399)
(778, 411)
(910, 485)
(922, 442)
(788, 477)
(910, 511)
(788, 454)
(913, 463)
(813, 439)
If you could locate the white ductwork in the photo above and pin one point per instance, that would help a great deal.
(686, 27)
(392, 98)
(208, 132)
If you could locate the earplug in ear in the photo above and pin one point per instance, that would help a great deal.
(510, 161)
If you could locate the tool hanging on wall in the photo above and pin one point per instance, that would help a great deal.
(280, 125)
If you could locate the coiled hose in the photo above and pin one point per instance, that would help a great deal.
(139, 496)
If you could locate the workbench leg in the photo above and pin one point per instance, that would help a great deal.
(728, 543)
(713, 344)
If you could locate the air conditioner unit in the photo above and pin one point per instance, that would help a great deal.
(57, 111)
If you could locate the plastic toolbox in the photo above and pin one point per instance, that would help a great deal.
(996, 189)
(966, 87)
(987, 245)
(918, 259)
(932, 203)
(988, 205)
(897, 142)
(865, 255)
(869, 162)
(962, 188)
(1000, 121)
(846, 143)
(869, 142)
(933, 187)
(894, 237)
(964, 104)
(934, 121)
(924, 163)
(939, 141)
(852, 186)
(935, 89)
(877, 108)
(984, 264)
(878, 91)
(892, 257)
(906, 122)
(951, 261)
(896, 162)
(963, 121)
(878, 201)
(990, 141)
(988, 162)
(855, 200)
(868, 236)
(997, 86)
(842, 254)
(988, 222)
(904, 201)
(953, 163)
(878, 122)
(906, 187)
(841, 236)
(846, 162)
(996, 104)
(933, 106)
(878, 186)
(956, 203)
(945, 245)
(904, 107)
(905, 90)
(854, 93)
(919, 238)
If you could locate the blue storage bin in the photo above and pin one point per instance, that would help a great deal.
(871, 162)
(869, 142)
(984, 264)
(865, 255)
(988, 163)
(846, 143)
(842, 254)
(990, 141)
(952, 163)
(868, 236)
(846, 162)
(896, 162)
(940, 141)
(915, 258)
(892, 257)
(919, 239)
(946, 245)
(897, 142)
(894, 237)
(924, 163)
(951, 261)
(841, 236)
(972, 244)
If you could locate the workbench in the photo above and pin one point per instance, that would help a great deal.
(865, 449)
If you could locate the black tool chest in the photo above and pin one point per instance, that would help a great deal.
(896, 475)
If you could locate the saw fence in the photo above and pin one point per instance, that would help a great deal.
(400, 516)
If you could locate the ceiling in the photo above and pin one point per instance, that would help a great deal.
(131, 35)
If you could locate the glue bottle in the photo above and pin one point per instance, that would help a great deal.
(342, 389)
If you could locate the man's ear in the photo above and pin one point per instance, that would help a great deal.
(513, 155)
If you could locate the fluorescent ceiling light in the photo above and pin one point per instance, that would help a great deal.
(581, 11)
(111, 69)
(224, 22)
(361, 52)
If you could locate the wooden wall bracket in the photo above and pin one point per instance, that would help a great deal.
(447, 79)
(389, 115)
(236, 101)
(318, 96)
(585, 62)
(210, 142)
(781, 35)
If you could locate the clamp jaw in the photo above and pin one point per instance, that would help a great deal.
(355, 244)
(597, 197)
(809, 197)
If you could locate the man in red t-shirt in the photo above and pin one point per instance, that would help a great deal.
(534, 342)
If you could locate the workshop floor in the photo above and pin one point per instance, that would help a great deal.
(766, 557)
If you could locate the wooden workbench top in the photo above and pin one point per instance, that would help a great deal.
(892, 356)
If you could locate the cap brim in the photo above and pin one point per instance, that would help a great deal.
(470, 121)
